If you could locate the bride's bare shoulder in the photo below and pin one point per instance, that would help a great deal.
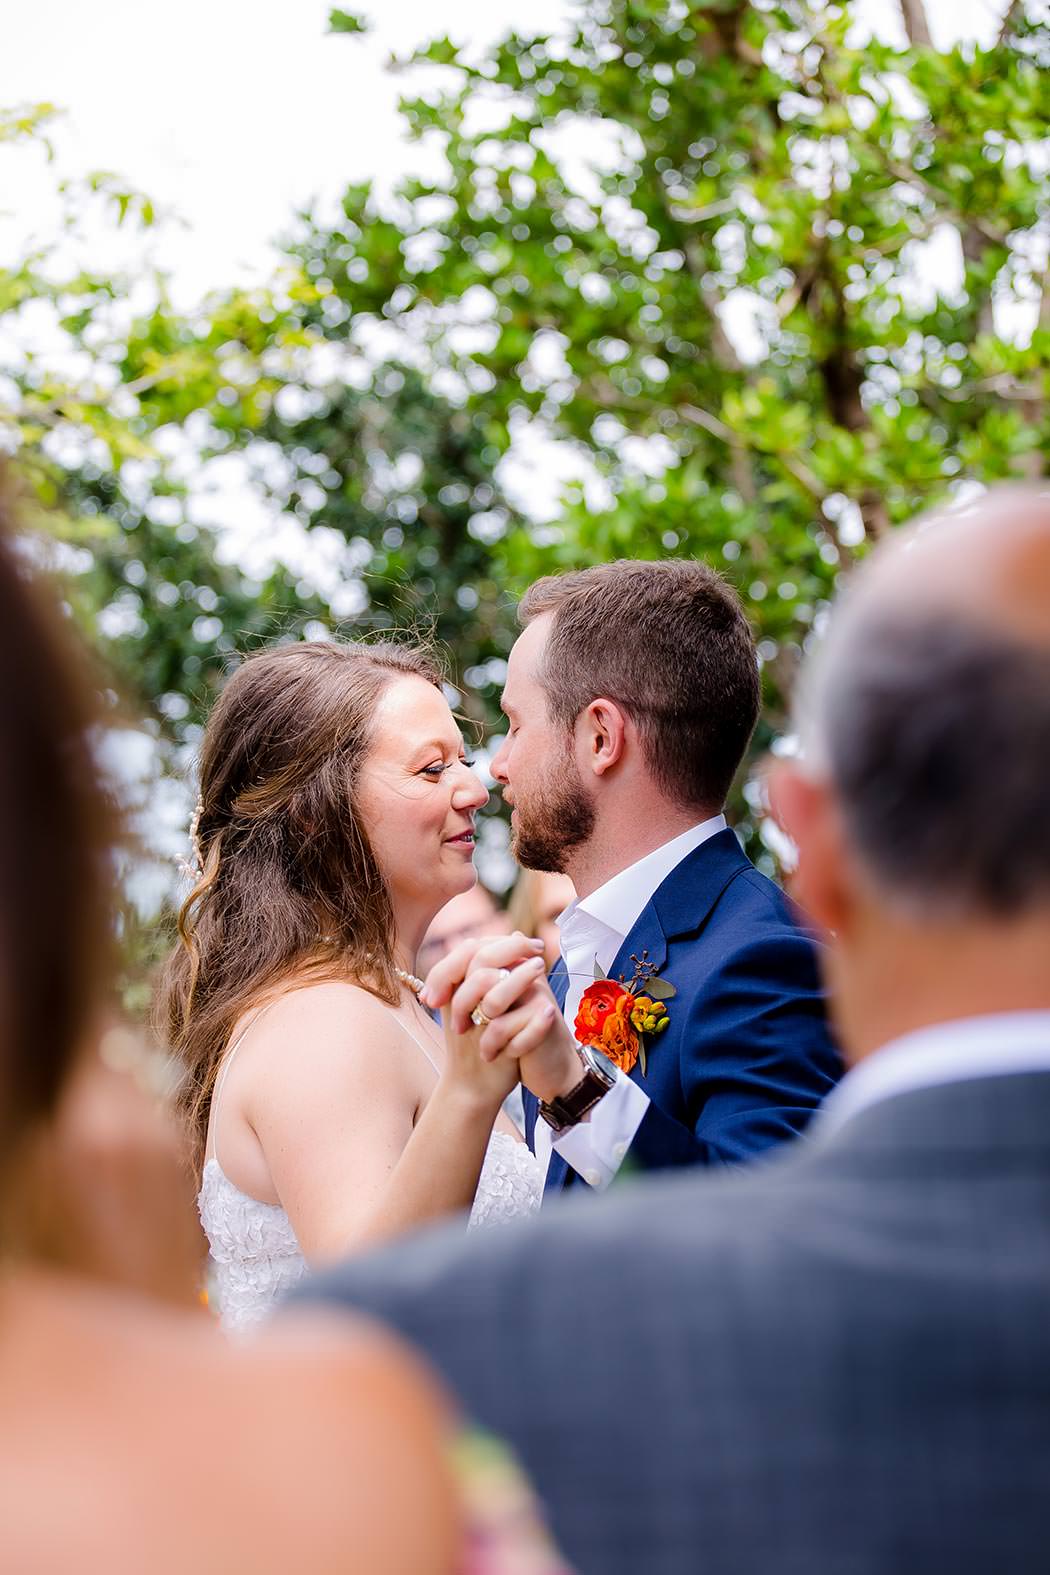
(332, 1007)
(352, 1042)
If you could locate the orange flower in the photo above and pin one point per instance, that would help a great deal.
(604, 1021)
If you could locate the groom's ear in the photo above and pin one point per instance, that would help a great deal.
(602, 727)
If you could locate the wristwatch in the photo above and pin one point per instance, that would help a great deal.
(599, 1075)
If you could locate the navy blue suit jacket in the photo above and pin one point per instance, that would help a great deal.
(747, 1056)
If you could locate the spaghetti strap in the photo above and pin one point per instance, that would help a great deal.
(220, 1082)
(227, 1061)
(420, 1045)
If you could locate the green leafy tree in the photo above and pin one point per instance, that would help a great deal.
(116, 408)
(618, 200)
(91, 402)
(114, 416)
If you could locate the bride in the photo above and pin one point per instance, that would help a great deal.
(328, 1109)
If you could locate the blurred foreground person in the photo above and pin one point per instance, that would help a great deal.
(133, 1436)
(840, 1359)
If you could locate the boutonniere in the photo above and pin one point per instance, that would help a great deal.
(616, 1017)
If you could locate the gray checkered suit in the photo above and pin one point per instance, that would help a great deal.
(837, 1360)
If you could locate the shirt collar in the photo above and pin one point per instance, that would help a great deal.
(952, 1052)
(610, 912)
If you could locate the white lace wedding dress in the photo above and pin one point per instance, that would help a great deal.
(255, 1256)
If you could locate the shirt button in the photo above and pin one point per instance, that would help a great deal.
(592, 1177)
(619, 1151)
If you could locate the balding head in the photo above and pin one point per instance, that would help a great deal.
(986, 561)
(928, 709)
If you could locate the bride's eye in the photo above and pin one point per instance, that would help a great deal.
(438, 769)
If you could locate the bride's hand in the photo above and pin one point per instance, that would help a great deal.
(468, 1073)
(492, 953)
(515, 964)
(523, 1023)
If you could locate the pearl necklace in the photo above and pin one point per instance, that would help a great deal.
(409, 979)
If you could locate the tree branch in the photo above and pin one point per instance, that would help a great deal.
(916, 24)
(739, 459)
(1014, 13)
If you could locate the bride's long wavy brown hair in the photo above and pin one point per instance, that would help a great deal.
(289, 888)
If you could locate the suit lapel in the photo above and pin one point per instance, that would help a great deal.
(680, 906)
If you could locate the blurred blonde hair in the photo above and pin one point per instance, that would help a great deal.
(526, 910)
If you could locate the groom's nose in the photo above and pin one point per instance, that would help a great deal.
(497, 765)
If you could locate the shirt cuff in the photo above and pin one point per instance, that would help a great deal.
(596, 1147)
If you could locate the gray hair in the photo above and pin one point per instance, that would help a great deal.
(934, 730)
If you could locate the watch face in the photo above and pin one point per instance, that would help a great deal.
(597, 1062)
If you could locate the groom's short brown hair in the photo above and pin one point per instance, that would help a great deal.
(667, 641)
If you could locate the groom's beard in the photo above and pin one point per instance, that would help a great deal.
(548, 827)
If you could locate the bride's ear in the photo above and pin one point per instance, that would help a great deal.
(602, 727)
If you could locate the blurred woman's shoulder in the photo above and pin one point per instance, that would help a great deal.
(138, 1437)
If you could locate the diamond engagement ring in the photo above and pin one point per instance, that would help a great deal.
(478, 1017)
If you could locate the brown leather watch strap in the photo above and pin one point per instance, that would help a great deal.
(569, 1109)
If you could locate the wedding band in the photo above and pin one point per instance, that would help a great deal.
(477, 1016)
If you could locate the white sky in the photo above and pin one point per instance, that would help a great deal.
(233, 111)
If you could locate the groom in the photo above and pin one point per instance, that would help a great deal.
(631, 696)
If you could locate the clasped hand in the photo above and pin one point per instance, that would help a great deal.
(505, 978)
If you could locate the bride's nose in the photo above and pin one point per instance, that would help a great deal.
(469, 792)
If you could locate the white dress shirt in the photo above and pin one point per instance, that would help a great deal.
(953, 1052)
(592, 931)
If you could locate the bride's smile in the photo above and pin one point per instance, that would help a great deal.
(417, 798)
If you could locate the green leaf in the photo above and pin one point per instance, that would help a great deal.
(658, 989)
(346, 22)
